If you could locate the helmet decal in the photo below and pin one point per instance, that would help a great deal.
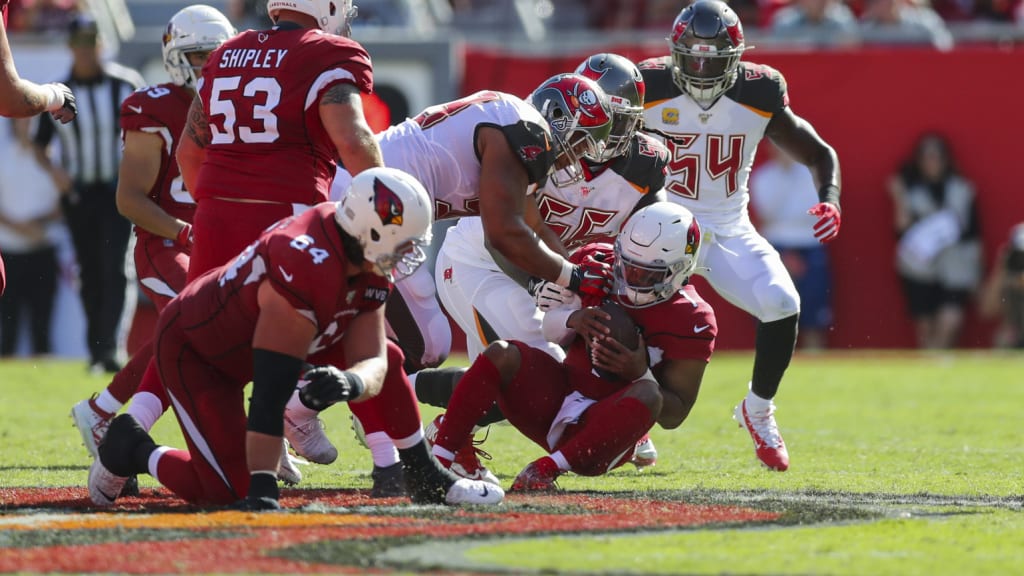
(387, 204)
(693, 238)
(678, 29)
(531, 152)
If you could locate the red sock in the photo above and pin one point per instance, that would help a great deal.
(151, 383)
(128, 379)
(473, 397)
(395, 410)
(610, 429)
(177, 472)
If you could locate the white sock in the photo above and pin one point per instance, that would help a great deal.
(146, 408)
(154, 460)
(106, 402)
(559, 459)
(382, 448)
(757, 404)
(409, 441)
(440, 452)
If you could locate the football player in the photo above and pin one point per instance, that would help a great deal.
(711, 109)
(306, 298)
(590, 424)
(484, 155)
(486, 296)
(274, 109)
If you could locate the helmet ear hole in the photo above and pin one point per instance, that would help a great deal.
(374, 235)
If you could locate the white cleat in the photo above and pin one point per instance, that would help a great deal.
(288, 471)
(92, 424)
(466, 491)
(308, 439)
(104, 487)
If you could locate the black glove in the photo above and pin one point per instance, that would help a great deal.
(263, 494)
(67, 112)
(328, 385)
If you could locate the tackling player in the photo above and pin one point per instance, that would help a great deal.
(150, 194)
(589, 424)
(310, 290)
(712, 109)
(488, 297)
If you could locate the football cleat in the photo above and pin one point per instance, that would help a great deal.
(538, 476)
(768, 444)
(467, 458)
(388, 482)
(104, 486)
(92, 423)
(307, 437)
(466, 491)
(125, 444)
(288, 471)
(359, 432)
(645, 454)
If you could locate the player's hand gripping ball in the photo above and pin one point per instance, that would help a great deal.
(622, 330)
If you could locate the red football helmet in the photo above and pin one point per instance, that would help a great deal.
(580, 117)
(706, 43)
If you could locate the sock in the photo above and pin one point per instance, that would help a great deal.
(472, 399)
(151, 383)
(105, 402)
(757, 404)
(175, 471)
(154, 461)
(383, 449)
(559, 459)
(773, 349)
(127, 380)
(146, 408)
(609, 433)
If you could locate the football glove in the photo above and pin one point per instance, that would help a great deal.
(328, 385)
(829, 219)
(591, 277)
(550, 295)
(64, 108)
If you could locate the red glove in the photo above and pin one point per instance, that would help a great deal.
(184, 238)
(591, 277)
(829, 218)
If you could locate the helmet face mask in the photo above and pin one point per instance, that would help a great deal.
(389, 213)
(623, 83)
(194, 29)
(579, 115)
(655, 254)
(706, 43)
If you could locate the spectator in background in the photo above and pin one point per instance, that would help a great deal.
(781, 191)
(86, 177)
(249, 14)
(939, 252)
(815, 21)
(1002, 298)
(904, 22)
(28, 208)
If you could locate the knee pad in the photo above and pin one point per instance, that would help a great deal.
(777, 301)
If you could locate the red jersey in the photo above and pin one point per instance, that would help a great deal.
(302, 257)
(681, 328)
(162, 110)
(261, 92)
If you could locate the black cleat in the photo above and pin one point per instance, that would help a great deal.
(388, 482)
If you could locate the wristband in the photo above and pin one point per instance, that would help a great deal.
(54, 97)
(565, 276)
(646, 376)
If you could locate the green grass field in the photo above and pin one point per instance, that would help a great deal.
(902, 463)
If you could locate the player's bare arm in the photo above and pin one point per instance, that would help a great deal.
(680, 382)
(798, 138)
(192, 145)
(533, 219)
(341, 112)
(283, 335)
(140, 168)
(20, 98)
(503, 185)
(366, 352)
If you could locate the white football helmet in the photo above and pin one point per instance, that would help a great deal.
(389, 213)
(197, 28)
(655, 254)
(332, 16)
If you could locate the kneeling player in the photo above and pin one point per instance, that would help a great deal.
(310, 289)
(589, 424)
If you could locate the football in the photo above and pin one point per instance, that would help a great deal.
(623, 330)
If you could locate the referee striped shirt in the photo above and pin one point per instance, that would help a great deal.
(90, 146)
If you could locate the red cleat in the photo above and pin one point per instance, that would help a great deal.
(768, 444)
(538, 476)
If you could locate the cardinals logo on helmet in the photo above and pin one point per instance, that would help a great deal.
(692, 238)
(387, 203)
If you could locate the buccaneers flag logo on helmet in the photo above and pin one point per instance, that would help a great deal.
(387, 203)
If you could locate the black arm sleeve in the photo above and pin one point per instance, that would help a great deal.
(273, 381)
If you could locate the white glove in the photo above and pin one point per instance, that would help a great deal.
(551, 295)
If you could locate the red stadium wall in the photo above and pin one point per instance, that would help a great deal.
(871, 106)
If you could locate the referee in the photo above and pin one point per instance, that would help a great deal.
(90, 151)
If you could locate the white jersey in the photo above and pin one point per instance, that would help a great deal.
(592, 210)
(712, 151)
(438, 147)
